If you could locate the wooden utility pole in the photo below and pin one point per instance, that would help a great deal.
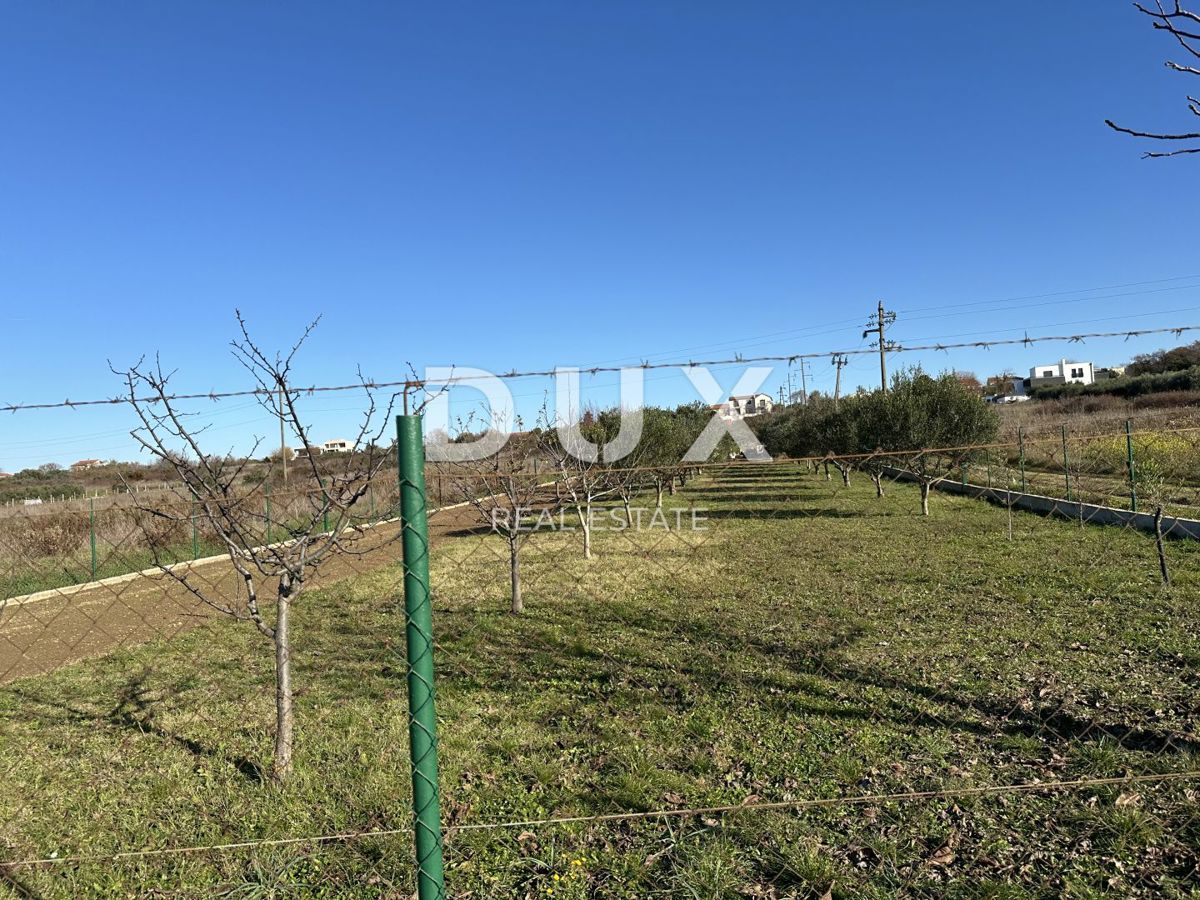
(877, 323)
(839, 360)
(804, 381)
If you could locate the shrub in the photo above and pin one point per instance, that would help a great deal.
(34, 536)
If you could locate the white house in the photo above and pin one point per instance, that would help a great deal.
(744, 407)
(1064, 371)
(338, 445)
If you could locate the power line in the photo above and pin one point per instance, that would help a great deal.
(999, 304)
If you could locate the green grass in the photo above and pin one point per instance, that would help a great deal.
(814, 642)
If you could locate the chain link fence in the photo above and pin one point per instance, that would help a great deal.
(725, 680)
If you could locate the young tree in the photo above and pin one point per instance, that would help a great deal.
(504, 491)
(211, 487)
(582, 479)
(1184, 26)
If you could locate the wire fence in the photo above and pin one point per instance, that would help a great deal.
(734, 679)
(935, 671)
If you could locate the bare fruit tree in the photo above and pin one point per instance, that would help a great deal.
(504, 489)
(1184, 26)
(582, 478)
(229, 498)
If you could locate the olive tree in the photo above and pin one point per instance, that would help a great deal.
(928, 423)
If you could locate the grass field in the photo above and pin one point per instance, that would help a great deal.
(812, 643)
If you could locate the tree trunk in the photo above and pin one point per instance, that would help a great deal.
(877, 477)
(514, 565)
(671, 487)
(628, 511)
(925, 483)
(846, 475)
(1162, 551)
(284, 714)
(585, 525)
(658, 486)
(828, 477)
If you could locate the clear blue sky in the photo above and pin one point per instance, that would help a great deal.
(511, 185)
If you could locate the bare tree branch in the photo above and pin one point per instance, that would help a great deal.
(1166, 21)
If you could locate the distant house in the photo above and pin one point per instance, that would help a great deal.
(83, 464)
(307, 452)
(744, 407)
(338, 445)
(5, 474)
(1011, 390)
(1062, 372)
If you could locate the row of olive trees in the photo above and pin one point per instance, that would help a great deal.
(923, 423)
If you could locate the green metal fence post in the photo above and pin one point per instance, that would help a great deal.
(195, 535)
(92, 529)
(1021, 445)
(422, 721)
(1066, 461)
(1129, 464)
(987, 456)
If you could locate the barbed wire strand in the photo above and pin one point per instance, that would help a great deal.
(410, 384)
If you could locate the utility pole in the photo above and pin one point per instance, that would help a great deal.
(839, 360)
(282, 447)
(877, 323)
(804, 381)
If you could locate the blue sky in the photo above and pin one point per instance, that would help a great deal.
(525, 185)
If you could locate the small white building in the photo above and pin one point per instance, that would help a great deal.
(1064, 371)
(744, 407)
(337, 445)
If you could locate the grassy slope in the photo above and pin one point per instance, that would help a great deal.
(814, 642)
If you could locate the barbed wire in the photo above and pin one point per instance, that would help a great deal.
(411, 384)
(729, 808)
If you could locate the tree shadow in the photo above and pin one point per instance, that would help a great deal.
(830, 680)
(18, 887)
(806, 513)
(134, 712)
(976, 715)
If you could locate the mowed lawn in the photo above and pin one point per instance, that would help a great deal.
(811, 643)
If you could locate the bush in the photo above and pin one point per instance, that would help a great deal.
(34, 536)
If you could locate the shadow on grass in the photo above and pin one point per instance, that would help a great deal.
(9, 880)
(818, 661)
(829, 512)
(134, 712)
